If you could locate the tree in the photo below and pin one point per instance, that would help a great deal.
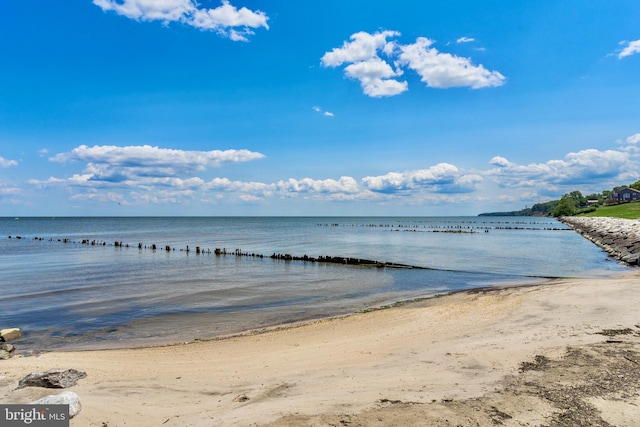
(566, 206)
(578, 199)
(544, 209)
(635, 185)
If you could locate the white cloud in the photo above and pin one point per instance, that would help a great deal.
(443, 70)
(228, 16)
(148, 10)
(441, 178)
(143, 167)
(364, 46)
(99, 196)
(374, 76)
(100, 181)
(365, 65)
(5, 163)
(378, 77)
(225, 184)
(9, 191)
(324, 113)
(284, 187)
(250, 198)
(41, 183)
(631, 48)
(345, 184)
(575, 169)
(465, 40)
(150, 175)
(162, 196)
(500, 162)
(633, 139)
(226, 19)
(166, 161)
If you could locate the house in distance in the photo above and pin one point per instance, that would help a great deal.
(625, 195)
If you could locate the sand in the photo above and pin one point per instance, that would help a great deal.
(515, 356)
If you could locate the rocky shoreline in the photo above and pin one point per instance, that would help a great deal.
(619, 237)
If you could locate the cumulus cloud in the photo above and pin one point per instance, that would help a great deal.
(142, 167)
(633, 139)
(443, 70)
(362, 54)
(375, 75)
(291, 186)
(376, 62)
(146, 160)
(5, 163)
(362, 47)
(345, 184)
(441, 178)
(226, 19)
(631, 48)
(465, 40)
(150, 175)
(578, 168)
(225, 184)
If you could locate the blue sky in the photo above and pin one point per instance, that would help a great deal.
(248, 107)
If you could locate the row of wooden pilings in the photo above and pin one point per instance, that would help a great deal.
(239, 253)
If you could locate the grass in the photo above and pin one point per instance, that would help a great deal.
(625, 210)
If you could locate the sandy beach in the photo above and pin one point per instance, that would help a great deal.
(528, 355)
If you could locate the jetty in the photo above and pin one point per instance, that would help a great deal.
(619, 237)
(454, 227)
(223, 252)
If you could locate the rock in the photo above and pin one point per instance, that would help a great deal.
(66, 398)
(10, 334)
(6, 351)
(616, 236)
(54, 378)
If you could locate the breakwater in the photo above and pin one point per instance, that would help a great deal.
(468, 226)
(619, 237)
(324, 259)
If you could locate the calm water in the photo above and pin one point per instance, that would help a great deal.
(75, 295)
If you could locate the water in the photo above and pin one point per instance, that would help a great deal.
(75, 295)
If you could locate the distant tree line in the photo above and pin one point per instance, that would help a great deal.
(570, 204)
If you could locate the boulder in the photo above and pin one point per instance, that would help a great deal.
(65, 398)
(6, 351)
(620, 238)
(54, 378)
(10, 334)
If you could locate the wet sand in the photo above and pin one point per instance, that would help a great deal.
(526, 355)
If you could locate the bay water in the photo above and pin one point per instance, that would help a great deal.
(120, 292)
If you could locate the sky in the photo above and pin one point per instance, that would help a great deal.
(250, 107)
